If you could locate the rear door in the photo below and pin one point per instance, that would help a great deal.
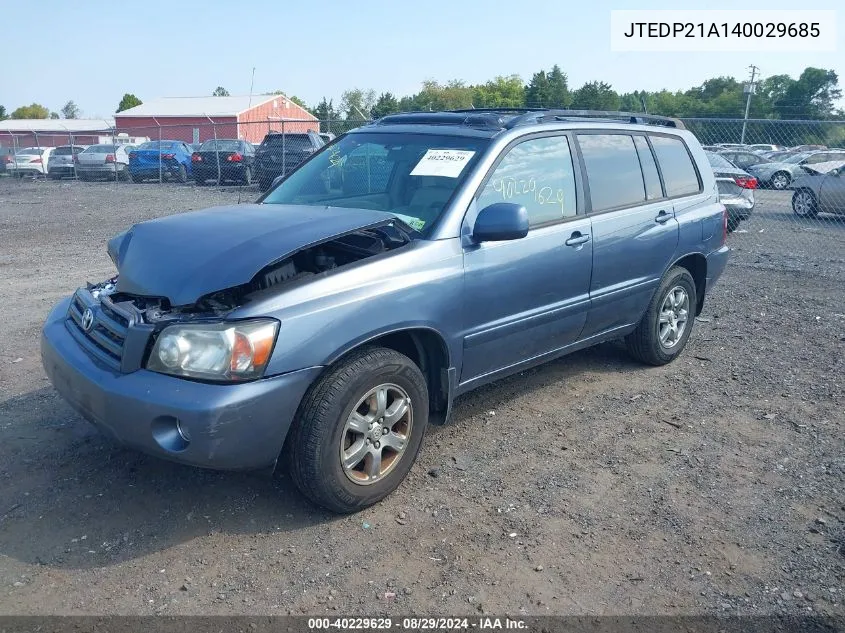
(528, 297)
(635, 233)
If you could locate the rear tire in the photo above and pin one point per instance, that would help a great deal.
(667, 324)
(124, 175)
(183, 174)
(247, 177)
(200, 181)
(133, 178)
(325, 431)
(263, 184)
(733, 225)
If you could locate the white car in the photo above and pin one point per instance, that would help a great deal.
(29, 161)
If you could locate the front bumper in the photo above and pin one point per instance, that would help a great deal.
(225, 427)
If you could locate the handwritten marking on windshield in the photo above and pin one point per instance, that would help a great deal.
(511, 188)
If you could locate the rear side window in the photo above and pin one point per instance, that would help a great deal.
(679, 175)
(62, 151)
(653, 189)
(537, 174)
(613, 170)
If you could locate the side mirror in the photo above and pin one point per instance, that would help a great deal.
(499, 222)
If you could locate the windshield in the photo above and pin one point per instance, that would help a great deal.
(719, 161)
(220, 145)
(30, 151)
(795, 159)
(291, 142)
(155, 144)
(412, 176)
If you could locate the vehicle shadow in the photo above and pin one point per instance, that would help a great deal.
(72, 499)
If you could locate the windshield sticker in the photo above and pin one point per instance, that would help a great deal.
(414, 223)
(448, 163)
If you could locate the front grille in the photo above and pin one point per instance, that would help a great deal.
(106, 335)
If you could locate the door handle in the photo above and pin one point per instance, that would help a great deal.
(577, 238)
(663, 217)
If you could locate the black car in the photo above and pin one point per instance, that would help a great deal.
(279, 153)
(234, 159)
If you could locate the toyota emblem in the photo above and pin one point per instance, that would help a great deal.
(87, 319)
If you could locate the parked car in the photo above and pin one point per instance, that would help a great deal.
(29, 161)
(820, 189)
(166, 159)
(766, 147)
(224, 159)
(62, 161)
(736, 189)
(780, 174)
(343, 313)
(280, 153)
(103, 161)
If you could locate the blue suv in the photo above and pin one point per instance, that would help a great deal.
(405, 263)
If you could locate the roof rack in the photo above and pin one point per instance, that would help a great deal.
(527, 116)
(485, 119)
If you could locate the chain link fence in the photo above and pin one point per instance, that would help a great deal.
(782, 181)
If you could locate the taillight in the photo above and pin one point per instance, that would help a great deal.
(196, 158)
(9, 159)
(746, 182)
(168, 156)
(235, 158)
(109, 158)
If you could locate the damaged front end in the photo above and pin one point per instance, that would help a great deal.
(128, 331)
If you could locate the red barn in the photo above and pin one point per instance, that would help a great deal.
(198, 119)
(17, 133)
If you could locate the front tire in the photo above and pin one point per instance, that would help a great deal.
(358, 430)
(781, 180)
(804, 204)
(667, 324)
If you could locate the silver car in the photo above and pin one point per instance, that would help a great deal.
(62, 161)
(820, 191)
(103, 161)
(779, 174)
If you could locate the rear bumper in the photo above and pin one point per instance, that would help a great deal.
(230, 170)
(225, 427)
(108, 168)
(739, 207)
(716, 263)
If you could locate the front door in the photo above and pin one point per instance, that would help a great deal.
(527, 297)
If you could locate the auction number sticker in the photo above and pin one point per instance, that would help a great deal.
(448, 163)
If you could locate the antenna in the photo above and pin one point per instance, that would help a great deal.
(251, 84)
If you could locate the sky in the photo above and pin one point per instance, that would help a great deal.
(189, 47)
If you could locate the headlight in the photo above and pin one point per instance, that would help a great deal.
(226, 352)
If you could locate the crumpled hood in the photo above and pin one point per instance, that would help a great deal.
(186, 256)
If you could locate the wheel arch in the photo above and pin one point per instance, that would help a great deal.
(696, 265)
(428, 349)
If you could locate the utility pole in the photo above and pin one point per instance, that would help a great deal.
(749, 90)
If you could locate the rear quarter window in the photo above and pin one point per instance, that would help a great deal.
(679, 174)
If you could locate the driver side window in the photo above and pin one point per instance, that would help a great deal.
(537, 174)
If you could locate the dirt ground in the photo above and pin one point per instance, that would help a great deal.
(592, 485)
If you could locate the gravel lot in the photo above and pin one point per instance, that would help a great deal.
(591, 485)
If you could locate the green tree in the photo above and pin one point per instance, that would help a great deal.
(356, 104)
(501, 92)
(220, 91)
(811, 96)
(434, 97)
(55, 115)
(548, 90)
(3, 116)
(299, 102)
(70, 110)
(128, 101)
(32, 111)
(386, 104)
(595, 95)
(326, 113)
